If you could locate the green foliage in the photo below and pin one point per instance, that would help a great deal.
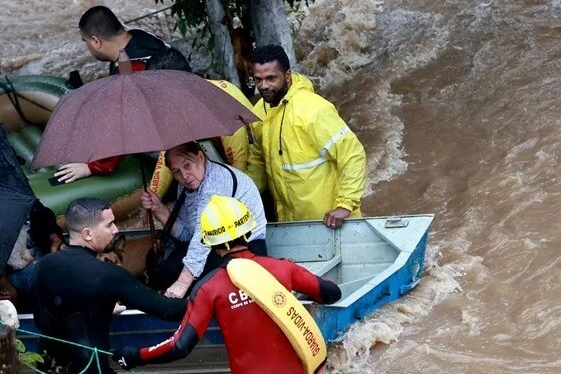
(192, 13)
(189, 13)
(29, 359)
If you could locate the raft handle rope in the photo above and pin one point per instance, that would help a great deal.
(95, 351)
(9, 89)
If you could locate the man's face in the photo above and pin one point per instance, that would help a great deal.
(95, 46)
(102, 234)
(271, 82)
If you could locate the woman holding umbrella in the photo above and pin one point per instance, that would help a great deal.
(199, 179)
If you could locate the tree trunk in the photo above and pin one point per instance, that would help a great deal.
(270, 26)
(9, 361)
(223, 50)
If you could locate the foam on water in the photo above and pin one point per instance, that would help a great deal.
(341, 42)
(354, 51)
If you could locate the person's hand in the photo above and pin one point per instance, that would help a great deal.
(57, 243)
(177, 290)
(27, 257)
(334, 218)
(181, 285)
(152, 202)
(127, 357)
(68, 173)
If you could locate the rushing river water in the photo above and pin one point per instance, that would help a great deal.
(456, 103)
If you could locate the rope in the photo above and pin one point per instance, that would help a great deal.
(95, 350)
(9, 90)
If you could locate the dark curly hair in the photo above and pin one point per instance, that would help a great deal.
(270, 53)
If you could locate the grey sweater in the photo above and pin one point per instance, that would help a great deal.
(217, 180)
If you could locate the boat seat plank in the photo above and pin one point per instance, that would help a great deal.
(321, 268)
(350, 272)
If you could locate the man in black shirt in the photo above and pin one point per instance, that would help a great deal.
(105, 36)
(76, 292)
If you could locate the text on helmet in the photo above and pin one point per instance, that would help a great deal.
(242, 220)
(216, 231)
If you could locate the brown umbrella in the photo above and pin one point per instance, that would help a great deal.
(133, 113)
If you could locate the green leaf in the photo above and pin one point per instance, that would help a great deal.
(31, 358)
(20, 346)
(181, 26)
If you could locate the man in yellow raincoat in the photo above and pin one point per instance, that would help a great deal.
(313, 163)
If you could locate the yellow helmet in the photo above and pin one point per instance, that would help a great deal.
(225, 219)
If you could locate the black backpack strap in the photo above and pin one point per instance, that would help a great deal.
(181, 199)
(235, 179)
(225, 261)
(175, 211)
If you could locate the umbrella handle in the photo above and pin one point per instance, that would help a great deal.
(153, 237)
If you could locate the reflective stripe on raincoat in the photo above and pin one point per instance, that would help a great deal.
(310, 158)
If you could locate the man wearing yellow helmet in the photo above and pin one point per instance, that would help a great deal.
(226, 224)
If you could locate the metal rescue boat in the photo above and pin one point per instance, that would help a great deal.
(374, 260)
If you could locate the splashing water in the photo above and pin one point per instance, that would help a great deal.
(456, 103)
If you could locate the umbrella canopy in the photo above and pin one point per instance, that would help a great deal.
(16, 199)
(134, 113)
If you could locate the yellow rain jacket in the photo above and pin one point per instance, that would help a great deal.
(308, 156)
(235, 146)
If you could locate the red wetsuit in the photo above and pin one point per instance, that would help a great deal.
(254, 342)
(105, 165)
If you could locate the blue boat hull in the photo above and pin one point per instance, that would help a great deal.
(374, 260)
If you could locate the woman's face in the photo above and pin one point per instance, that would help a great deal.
(188, 169)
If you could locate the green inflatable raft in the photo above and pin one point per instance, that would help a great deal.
(26, 102)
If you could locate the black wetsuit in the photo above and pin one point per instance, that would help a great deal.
(77, 293)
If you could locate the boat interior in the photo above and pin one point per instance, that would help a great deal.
(361, 253)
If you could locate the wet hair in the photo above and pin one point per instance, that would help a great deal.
(190, 149)
(84, 212)
(271, 53)
(100, 21)
(168, 59)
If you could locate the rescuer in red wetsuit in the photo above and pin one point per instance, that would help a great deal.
(105, 36)
(255, 343)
